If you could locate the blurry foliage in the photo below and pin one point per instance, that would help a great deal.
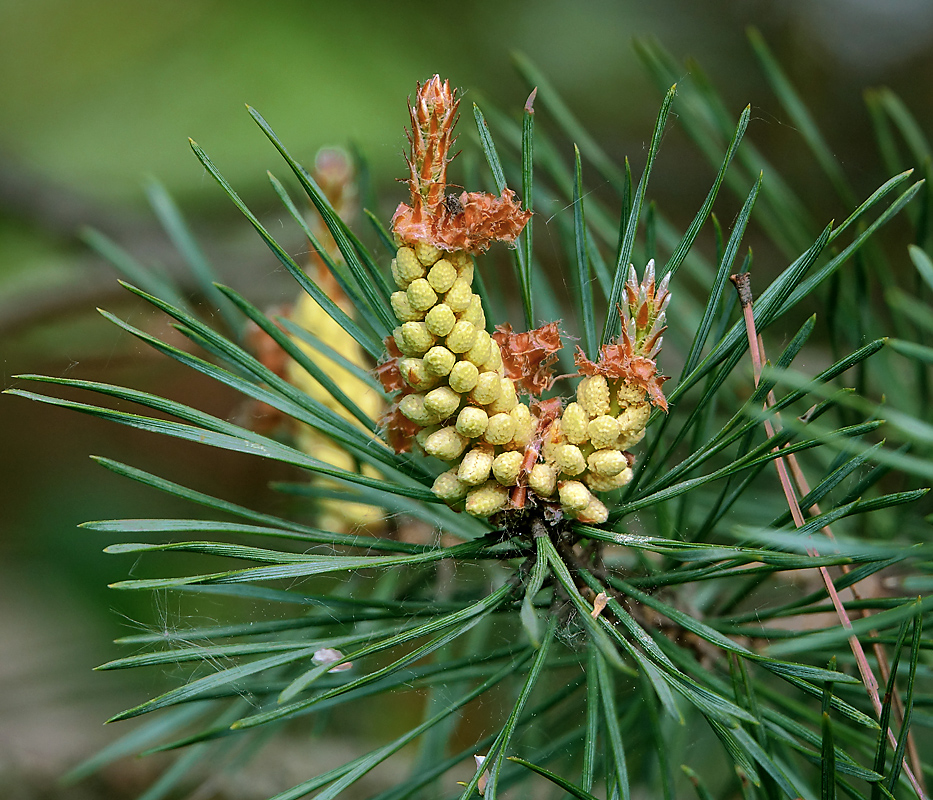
(849, 306)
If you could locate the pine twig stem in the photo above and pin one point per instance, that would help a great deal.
(884, 666)
(742, 284)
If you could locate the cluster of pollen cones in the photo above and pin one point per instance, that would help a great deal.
(465, 396)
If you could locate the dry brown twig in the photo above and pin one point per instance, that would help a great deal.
(785, 465)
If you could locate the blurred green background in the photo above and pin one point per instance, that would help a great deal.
(97, 95)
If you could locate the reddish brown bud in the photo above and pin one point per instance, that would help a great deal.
(433, 116)
(470, 221)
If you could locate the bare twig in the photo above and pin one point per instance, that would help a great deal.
(803, 488)
(742, 284)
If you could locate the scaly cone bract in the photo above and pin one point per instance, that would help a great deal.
(433, 117)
